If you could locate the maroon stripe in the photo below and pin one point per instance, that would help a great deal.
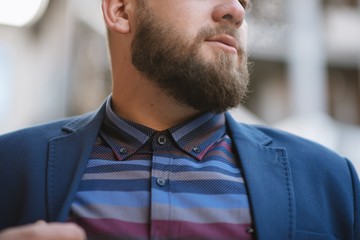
(164, 229)
(190, 230)
(113, 227)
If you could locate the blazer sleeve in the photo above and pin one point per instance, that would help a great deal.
(356, 190)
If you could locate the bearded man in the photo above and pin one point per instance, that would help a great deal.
(162, 158)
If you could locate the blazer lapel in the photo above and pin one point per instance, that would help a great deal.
(68, 156)
(268, 178)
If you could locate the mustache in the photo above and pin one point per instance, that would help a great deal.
(207, 32)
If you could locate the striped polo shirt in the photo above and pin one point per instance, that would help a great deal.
(182, 183)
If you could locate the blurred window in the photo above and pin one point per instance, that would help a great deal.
(5, 84)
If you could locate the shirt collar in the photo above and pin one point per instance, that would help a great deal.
(195, 137)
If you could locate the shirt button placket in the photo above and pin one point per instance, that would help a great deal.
(160, 181)
(161, 140)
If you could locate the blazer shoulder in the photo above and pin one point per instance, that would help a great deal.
(298, 149)
(307, 155)
(295, 143)
(290, 140)
(296, 146)
(43, 132)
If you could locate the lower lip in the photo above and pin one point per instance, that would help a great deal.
(223, 46)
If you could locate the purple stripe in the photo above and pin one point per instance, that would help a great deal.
(164, 229)
(112, 227)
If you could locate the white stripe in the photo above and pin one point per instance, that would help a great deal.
(134, 215)
(165, 213)
(123, 175)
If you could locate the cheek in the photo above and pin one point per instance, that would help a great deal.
(244, 34)
(185, 20)
(187, 28)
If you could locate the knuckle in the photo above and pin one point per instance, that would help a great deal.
(75, 232)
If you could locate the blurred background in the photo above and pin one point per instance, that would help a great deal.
(305, 73)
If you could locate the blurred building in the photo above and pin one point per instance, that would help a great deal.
(305, 73)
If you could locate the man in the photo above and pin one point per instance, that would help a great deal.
(162, 159)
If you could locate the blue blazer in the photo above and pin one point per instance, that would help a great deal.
(297, 188)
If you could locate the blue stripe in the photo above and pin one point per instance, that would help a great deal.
(193, 200)
(117, 167)
(198, 186)
(115, 185)
(102, 162)
(182, 200)
(126, 199)
(208, 187)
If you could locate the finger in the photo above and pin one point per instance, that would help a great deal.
(44, 231)
(65, 231)
(59, 231)
(40, 222)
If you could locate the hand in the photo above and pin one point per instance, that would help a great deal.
(44, 231)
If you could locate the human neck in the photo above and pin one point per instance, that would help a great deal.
(140, 101)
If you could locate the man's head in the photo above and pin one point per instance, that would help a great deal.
(192, 50)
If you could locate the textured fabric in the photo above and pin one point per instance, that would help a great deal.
(183, 183)
(297, 189)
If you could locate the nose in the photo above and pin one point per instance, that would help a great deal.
(229, 12)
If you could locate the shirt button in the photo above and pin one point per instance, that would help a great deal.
(249, 230)
(123, 150)
(161, 182)
(161, 140)
(196, 150)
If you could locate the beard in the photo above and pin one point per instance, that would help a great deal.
(176, 66)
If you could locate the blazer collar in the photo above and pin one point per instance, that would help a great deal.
(68, 156)
(269, 182)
